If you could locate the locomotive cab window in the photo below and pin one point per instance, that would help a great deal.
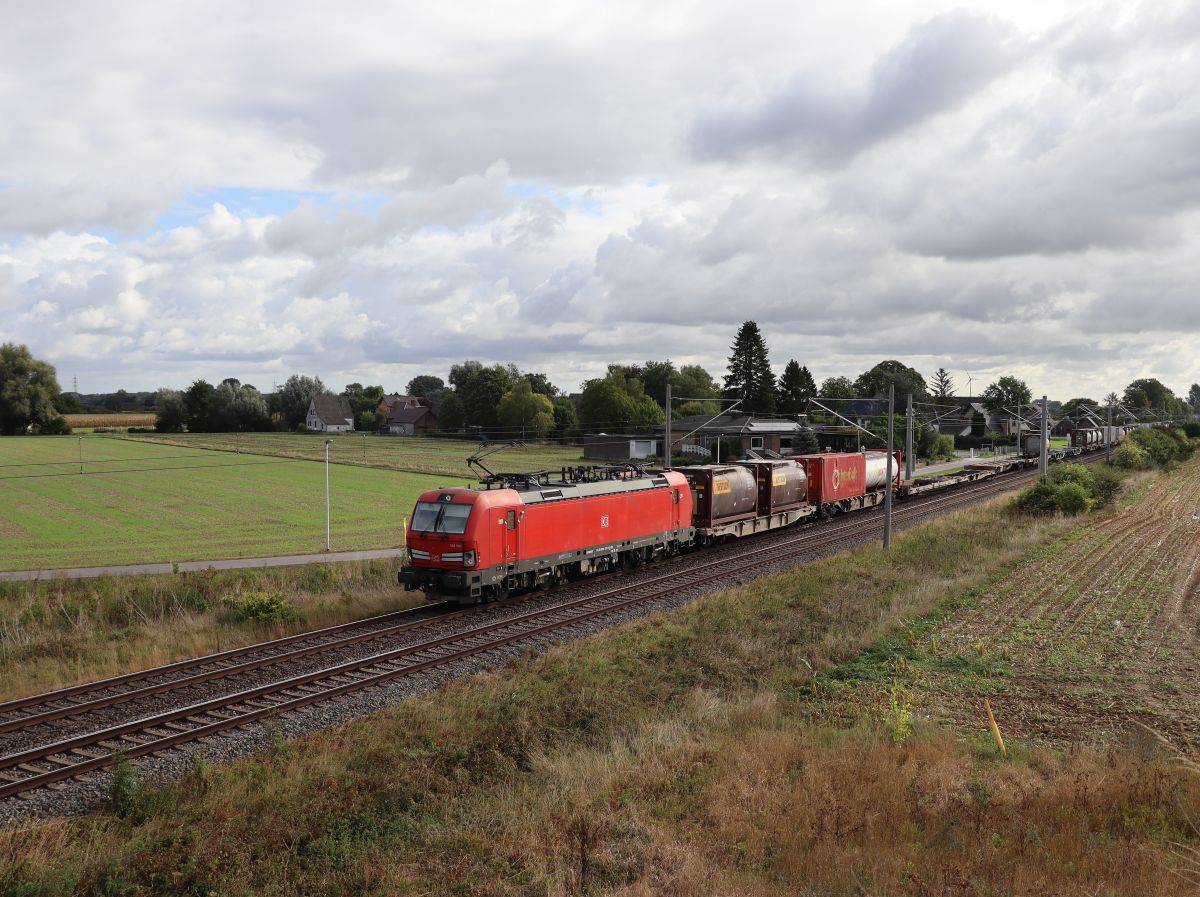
(510, 520)
(440, 517)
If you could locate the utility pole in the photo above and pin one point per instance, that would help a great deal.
(1108, 438)
(887, 495)
(328, 544)
(908, 442)
(667, 431)
(1017, 441)
(1044, 456)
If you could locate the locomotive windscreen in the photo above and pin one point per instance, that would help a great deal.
(440, 517)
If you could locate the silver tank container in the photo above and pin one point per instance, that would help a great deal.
(876, 474)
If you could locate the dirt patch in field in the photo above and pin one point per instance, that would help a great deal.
(1099, 634)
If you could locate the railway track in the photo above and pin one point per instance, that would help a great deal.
(55, 756)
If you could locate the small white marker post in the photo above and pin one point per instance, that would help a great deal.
(328, 544)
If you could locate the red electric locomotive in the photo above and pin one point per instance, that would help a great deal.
(525, 530)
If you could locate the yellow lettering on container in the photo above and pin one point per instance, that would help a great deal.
(720, 487)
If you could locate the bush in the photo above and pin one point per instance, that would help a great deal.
(1070, 489)
(261, 607)
(1130, 456)
(1106, 487)
(1040, 498)
(942, 449)
(1072, 499)
(55, 426)
(1164, 447)
(1192, 429)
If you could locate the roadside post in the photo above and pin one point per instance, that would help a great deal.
(328, 542)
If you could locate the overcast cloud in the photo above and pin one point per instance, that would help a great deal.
(254, 190)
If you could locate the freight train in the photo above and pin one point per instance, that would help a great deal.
(521, 531)
(526, 530)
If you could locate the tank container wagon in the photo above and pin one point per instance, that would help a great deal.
(746, 497)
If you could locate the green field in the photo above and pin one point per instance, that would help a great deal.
(417, 454)
(138, 502)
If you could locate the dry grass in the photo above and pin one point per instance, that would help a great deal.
(694, 753)
(58, 632)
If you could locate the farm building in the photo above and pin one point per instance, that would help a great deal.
(330, 414)
(620, 446)
(406, 415)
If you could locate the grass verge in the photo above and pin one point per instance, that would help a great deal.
(57, 632)
(698, 752)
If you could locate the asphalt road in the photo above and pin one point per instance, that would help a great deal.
(289, 560)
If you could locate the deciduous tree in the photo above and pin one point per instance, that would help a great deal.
(875, 382)
(525, 412)
(480, 390)
(616, 404)
(1007, 392)
(170, 410)
(295, 396)
(837, 388)
(423, 385)
(28, 388)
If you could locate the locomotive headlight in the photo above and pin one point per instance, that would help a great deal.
(469, 558)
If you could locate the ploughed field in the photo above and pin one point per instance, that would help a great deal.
(1099, 633)
(417, 454)
(138, 502)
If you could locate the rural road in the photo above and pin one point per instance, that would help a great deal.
(289, 560)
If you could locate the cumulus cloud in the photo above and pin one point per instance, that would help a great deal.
(390, 192)
(938, 66)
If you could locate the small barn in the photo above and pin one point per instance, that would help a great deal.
(620, 446)
(410, 421)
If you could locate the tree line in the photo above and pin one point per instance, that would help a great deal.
(501, 401)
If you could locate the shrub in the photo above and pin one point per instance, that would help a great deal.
(261, 607)
(1070, 489)
(1040, 498)
(1106, 487)
(1130, 456)
(1192, 429)
(55, 426)
(1164, 447)
(1072, 499)
(943, 449)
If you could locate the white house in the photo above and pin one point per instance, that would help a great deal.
(330, 414)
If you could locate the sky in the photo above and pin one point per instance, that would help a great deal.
(380, 190)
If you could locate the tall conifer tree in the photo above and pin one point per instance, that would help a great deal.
(796, 387)
(750, 377)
